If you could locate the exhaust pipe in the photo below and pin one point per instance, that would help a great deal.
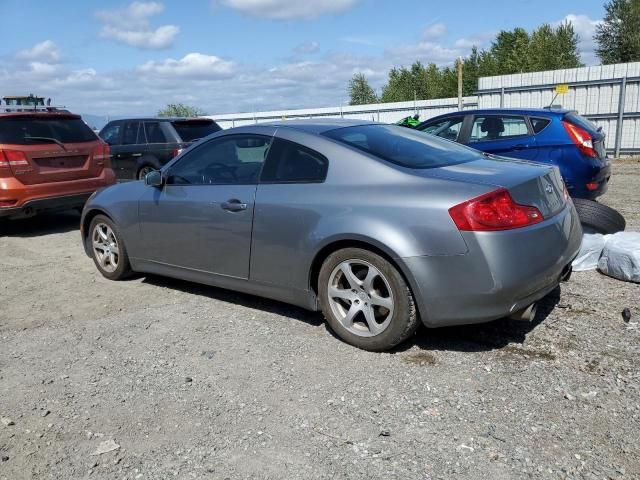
(527, 314)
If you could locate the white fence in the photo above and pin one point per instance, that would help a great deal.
(378, 112)
(609, 95)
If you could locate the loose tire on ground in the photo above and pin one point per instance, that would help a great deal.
(374, 280)
(107, 249)
(599, 217)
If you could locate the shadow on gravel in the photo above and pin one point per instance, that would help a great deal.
(464, 338)
(484, 336)
(43, 224)
(250, 301)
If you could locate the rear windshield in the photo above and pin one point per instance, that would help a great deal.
(195, 129)
(404, 146)
(580, 121)
(34, 130)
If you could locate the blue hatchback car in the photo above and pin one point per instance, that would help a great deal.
(557, 137)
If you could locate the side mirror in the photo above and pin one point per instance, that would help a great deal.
(153, 179)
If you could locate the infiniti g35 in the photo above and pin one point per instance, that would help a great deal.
(378, 226)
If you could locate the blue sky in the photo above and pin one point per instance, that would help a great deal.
(119, 57)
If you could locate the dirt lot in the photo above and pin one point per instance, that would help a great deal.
(184, 381)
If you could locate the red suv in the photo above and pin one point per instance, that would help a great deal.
(49, 160)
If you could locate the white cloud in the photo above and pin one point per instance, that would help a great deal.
(289, 9)
(46, 51)
(585, 27)
(192, 65)
(435, 30)
(131, 26)
(308, 47)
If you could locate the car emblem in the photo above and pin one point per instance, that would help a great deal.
(548, 189)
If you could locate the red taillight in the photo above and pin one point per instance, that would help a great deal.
(102, 155)
(175, 152)
(581, 138)
(13, 158)
(494, 211)
(591, 186)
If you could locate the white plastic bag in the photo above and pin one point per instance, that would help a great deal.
(621, 256)
(590, 251)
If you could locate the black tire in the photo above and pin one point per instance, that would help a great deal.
(404, 321)
(599, 217)
(123, 269)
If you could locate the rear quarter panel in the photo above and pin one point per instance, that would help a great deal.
(362, 199)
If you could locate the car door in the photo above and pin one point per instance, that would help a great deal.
(161, 143)
(291, 186)
(112, 134)
(504, 135)
(132, 145)
(201, 218)
(448, 128)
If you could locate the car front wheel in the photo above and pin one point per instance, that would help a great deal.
(107, 249)
(365, 300)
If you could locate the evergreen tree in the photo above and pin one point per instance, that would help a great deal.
(360, 92)
(618, 36)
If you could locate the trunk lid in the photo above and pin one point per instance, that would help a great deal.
(50, 163)
(528, 183)
(57, 147)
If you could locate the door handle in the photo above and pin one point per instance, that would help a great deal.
(233, 205)
(136, 154)
(520, 147)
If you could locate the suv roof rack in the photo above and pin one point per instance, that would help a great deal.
(32, 108)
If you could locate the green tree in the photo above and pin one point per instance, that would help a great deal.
(360, 92)
(554, 48)
(618, 36)
(510, 50)
(180, 110)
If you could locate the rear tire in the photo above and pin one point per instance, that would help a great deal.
(599, 217)
(107, 249)
(365, 300)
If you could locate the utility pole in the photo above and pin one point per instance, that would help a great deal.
(460, 83)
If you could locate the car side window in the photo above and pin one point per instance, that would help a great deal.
(154, 132)
(130, 135)
(230, 160)
(449, 128)
(111, 134)
(288, 162)
(497, 127)
(539, 124)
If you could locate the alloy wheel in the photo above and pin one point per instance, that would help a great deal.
(361, 298)
(105, 247)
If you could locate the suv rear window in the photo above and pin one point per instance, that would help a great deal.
(191, 130)
(18, 130)
(403, 146)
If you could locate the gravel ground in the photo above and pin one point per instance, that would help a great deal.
(156, 378)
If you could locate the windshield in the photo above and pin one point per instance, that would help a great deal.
(404, 147)
(190, 130)
(17, 130)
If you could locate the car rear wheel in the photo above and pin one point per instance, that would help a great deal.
(599, 217)
(144, 171)
(107, 249)
(365, 300)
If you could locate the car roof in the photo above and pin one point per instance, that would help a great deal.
(318, 125)
(506, 111)
(40, 114)
(160, 119)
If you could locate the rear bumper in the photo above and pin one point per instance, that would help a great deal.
(601, 177)
(31, 199)
(33, 207)
(502, 273)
